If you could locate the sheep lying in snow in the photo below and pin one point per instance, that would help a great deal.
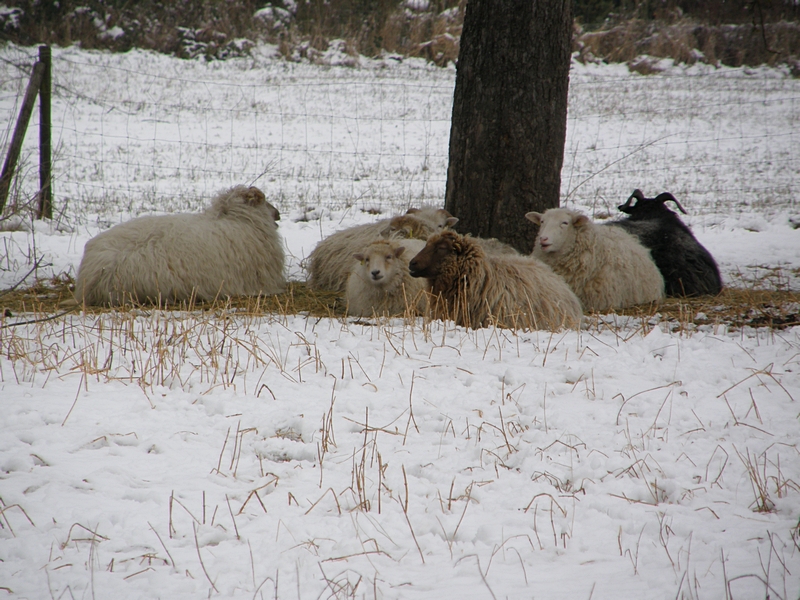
(330, 263)
(233, 248)
(605, 266)
(476, 289)
(380, 283)
(687, 267)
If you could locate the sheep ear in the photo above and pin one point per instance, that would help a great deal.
(580, 221)
(535, 217)
(399, 251)
(444, 213)
(667, 197)
(359, 257)
(450, 221)
(411, 211)
(254, 196)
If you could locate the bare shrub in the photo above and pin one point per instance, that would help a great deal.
(687, 42)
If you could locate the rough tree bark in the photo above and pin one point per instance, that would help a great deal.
(509, 116)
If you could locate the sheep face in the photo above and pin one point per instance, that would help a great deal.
(430, 260)
(379, 262)
(558, 228)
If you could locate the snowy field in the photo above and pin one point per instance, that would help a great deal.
(149, 454)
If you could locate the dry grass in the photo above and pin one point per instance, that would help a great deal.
(688, 42)
(735, 307)
(46, 297)
(217, 30)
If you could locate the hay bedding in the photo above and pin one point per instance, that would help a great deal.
(750, 305)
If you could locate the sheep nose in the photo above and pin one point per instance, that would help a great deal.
(376, 274)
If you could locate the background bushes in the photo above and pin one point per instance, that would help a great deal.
(731, 32)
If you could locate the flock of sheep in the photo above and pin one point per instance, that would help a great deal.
(410, 264)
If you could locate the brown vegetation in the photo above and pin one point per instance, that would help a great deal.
(750, 305)
(727, 33)
(690, 42)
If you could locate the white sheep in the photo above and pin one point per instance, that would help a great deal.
(605, 266)
(380, 284)
(476, 289)
(330, 263)
(232, 248)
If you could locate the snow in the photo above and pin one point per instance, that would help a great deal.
(149, 454)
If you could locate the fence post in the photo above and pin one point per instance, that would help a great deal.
(19, 132)
(45, 210)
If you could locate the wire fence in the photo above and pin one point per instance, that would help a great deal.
(141, 132)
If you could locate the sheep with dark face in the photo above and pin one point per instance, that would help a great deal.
(330, 263)
(605, 266)
(233, 248)
(476, 289)
(686, 265)
(380, 283)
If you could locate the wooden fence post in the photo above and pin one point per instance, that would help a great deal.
(19, 132)
(45, 210)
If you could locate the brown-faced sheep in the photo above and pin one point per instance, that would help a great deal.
(380, 283)
(232, 248)
(330, 262)
(476, 289)
(605, 266)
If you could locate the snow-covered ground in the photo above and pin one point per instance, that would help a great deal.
(170, 455)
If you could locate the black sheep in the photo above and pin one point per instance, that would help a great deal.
(687, 267)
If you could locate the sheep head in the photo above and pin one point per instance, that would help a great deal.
(407, 226)
(378, 261)
(429, 262)
(557, 228)
(439, 218)
(233, 200)
(649, 208)
(255, 197)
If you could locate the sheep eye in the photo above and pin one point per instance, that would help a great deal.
(388, 257)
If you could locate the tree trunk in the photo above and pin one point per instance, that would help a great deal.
(509, 119)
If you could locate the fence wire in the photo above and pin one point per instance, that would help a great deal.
(141, 132)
